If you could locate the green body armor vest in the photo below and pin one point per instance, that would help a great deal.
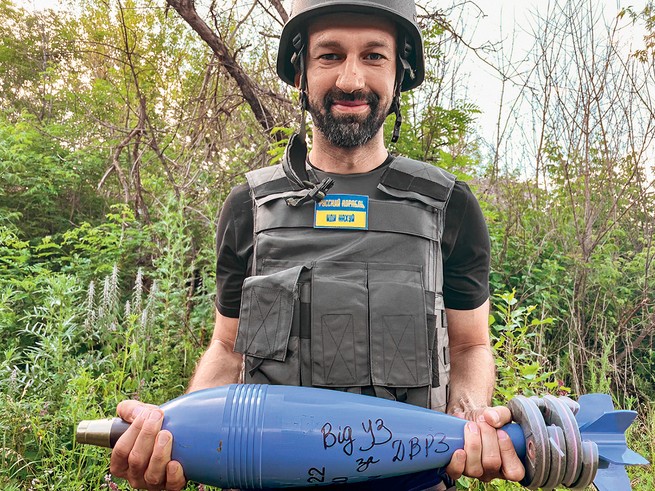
(348, 294)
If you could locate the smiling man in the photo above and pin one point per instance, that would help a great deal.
(351, 70)
(348, 268)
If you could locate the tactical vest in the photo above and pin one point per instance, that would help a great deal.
(347, 294)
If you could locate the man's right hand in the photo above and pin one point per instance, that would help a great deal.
(142, 455)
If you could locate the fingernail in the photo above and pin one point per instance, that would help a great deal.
(481, 418)
(502, 435)
(163, 439)
(472, 427)
(136, 411)
(494, 417)
(155, 415)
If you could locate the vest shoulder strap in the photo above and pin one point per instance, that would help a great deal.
(269, 180)
(404, 178)
(407, 178)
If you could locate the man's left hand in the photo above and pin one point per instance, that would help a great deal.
(488, 451)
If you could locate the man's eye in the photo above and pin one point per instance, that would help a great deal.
(329, 57)
(375, 57)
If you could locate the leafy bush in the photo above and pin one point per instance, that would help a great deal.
(519, 368)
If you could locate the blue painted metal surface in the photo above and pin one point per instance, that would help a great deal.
(251, 436)
(258, 436)
(599, 422)
(263, 437)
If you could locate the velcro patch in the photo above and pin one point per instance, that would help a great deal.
(342, 211)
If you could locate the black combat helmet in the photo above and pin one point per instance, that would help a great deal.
(401, 12)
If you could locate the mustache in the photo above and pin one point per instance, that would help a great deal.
(338, 95)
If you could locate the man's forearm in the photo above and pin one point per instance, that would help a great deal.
(220, 365)
(472, 379)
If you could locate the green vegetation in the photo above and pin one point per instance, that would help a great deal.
(121, 133)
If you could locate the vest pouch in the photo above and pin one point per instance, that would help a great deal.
(398, 327)
(268, 303)
(339, 325)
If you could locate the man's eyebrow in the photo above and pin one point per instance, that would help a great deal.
(329, 43)
(378, 44)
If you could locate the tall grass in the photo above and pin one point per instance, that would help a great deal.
(72, 351)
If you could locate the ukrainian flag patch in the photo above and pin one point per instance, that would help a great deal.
(342, 211)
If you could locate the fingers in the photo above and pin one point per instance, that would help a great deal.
(490, 454)
(484, 459)
(473, 445)
(499, 455)
(163, 472)
(131, 457)
(121, 453)
(469, 461)
(126, 409)
(175, 479)
(455, 469)
(155, 474)
(497, 416)
(142, 455)
(512, 467)
(139, 457)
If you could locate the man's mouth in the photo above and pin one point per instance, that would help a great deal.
(355, 106)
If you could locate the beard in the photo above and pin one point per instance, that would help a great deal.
(347, 131)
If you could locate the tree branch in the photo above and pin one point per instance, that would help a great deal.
(248, 88)
(277, 4)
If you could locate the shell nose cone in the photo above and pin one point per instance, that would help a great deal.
(100, 432)
(94, 432)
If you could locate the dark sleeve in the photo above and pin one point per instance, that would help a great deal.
(233, 249)
(466, 251)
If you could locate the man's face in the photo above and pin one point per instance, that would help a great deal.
(351, 71)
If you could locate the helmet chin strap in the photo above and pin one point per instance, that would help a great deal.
(403, 69)
(295, 155)
(395, 108)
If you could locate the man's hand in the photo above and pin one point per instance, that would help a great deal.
(488, 451)
(142, 455)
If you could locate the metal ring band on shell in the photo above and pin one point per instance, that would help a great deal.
(537, 463)
(559, 413)
(557, 458)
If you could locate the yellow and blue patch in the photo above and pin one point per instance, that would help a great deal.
(342, 211)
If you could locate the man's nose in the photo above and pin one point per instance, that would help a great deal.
(351, 78)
